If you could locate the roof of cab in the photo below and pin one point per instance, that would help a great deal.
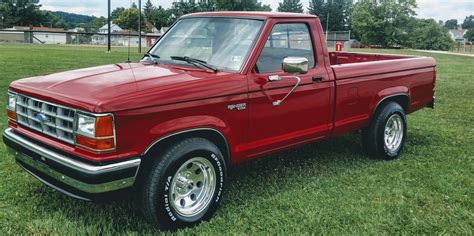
(250, 14)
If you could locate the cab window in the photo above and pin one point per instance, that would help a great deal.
(285, 40)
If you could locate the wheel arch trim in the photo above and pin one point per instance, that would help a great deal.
(163, 138)
(384, 98)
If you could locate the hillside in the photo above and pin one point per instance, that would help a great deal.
(72, 19)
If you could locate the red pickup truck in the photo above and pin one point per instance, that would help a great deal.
(217, 89)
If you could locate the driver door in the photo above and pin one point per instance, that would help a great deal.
(305, 114)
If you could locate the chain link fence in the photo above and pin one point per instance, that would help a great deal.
(124, 39)
(76, 38)
(333, 37)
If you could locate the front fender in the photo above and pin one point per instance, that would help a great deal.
(190, 122)
(182, 125)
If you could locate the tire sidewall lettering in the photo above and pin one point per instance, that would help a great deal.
(221, 177)
(167, 200)
(218, 166)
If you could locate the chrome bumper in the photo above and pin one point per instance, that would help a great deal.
(65, 173)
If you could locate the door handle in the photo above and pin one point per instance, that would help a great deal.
(317, 79)
(273, 78)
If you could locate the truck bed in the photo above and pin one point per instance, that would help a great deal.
(350, 65)
(339, 58)
(362, 79)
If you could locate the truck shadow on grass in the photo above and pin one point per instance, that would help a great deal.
(247, 183)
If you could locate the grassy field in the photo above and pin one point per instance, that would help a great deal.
(328, 187)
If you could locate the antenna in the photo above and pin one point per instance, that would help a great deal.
(129, 35)
(128, 58)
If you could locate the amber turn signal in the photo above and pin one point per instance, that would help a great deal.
(104, 126)
(95, 144)
(11, 114)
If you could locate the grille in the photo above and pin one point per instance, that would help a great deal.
(48, 118)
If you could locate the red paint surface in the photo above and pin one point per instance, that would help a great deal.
(153, 101)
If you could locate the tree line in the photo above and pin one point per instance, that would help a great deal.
(388, 23)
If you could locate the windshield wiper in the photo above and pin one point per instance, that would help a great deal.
(195, 62)
(152, 56)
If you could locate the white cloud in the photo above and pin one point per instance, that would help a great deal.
(436, 9)
(445, 9)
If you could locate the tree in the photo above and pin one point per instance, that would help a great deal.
(115, 14)
(429, 35)
(468, 22)
(54, 21)
(70, 19)
(96, 24)
(290, 6)
(22, 13)
(148, 9)
(451, 24)
(339, 11)
(179, 9)
(384, 23)
(242, 5)
(160, 17)
(209, 5)
(129, 19)
(469, 35)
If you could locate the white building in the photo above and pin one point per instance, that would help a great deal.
(115, 39)
(113, 28)
(42, 35)
(458, 35)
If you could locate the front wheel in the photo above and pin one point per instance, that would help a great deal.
(385, 136)
(184, 185)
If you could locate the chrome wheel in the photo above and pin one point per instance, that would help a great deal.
(393, 133)
(192, 187)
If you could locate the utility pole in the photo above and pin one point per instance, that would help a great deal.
(139, 26)
(327, 20)
(109, 26)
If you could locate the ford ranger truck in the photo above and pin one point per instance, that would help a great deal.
(217, 89)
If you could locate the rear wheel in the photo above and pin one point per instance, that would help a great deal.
(184, 184)
(385, 136)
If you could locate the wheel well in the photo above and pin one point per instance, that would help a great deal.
(210, 134)
(401, 99)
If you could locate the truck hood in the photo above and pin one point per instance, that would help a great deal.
(86, 88)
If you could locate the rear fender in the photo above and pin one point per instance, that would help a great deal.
(388, 93)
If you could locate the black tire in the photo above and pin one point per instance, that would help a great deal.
(373, 137)
(156, 190)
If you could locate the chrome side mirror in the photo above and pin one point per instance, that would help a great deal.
(295, 65)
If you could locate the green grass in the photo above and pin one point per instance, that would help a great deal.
(327, 187)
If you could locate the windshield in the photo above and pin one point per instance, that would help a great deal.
(221, 42)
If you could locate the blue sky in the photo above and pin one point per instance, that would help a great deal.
(436, 9)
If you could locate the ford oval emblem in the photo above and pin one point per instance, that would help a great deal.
(41, 117)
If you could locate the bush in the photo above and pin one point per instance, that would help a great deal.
(429, 35)
(469, 35)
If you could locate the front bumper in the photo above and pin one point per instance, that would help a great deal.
(66, 173)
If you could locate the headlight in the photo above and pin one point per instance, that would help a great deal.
(95, 132)
(11, 106)
(86, 125)
(11, 101)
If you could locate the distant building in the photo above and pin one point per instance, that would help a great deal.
(115, 37)
(77, 30)
(113, 28)
(121, 37)
(151, 28)
(42, 35)
(458, 35)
